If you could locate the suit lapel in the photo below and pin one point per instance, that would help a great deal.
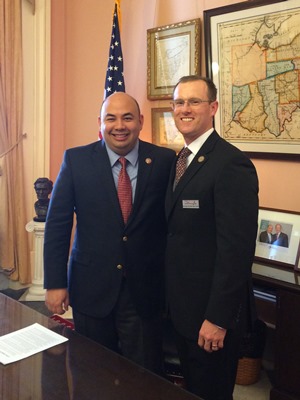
(105, 179)
(146, 160)
(103, 170)
(200, 159)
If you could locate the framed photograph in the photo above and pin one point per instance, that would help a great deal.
(252, 55)
(297, 268)
(164, 131)
(172, 52)
(278, 238)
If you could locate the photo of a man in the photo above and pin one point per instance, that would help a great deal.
(267, 235)
(280, 238)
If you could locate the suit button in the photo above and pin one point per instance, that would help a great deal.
(119, 266)
(125, 238)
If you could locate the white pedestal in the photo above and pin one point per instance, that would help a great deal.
(37, 292)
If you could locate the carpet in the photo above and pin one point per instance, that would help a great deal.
(14, 294)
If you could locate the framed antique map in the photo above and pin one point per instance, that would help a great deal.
(253, 57)
(172, 52)
(164, 131)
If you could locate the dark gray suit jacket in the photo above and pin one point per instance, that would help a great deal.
(264, 237)
(102, 243)
(212, 218)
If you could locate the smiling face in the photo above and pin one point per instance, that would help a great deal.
(120, 122)
(193, 121)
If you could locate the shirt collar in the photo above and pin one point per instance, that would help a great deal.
(132, 156)
(198, 143)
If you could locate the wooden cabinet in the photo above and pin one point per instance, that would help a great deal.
(287, 328)
(287, 354)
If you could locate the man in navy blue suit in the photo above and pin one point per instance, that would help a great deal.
(113, 278)
(280, 238)
(212, 226)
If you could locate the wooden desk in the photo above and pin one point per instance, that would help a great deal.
(285, 315)
(78, 369)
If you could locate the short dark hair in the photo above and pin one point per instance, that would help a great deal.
(211, 87)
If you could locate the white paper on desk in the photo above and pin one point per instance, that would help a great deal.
(27, 341)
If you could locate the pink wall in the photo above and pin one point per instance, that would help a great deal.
(80, 40)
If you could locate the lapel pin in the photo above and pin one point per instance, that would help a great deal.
(201, 159)
(148, 161)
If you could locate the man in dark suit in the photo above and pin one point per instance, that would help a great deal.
(212, 226)
(267, 235)
(114, 279)
(280, 238)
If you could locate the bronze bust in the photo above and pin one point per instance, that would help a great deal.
(43, 187)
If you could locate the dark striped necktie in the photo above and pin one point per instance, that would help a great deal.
(181, 164)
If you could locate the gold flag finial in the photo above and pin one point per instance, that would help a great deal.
(118, 4)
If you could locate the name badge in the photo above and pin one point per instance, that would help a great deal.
(190, 203)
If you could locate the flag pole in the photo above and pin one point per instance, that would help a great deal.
(114, 80)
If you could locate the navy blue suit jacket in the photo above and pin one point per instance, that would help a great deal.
(102, 243)
(212, 217)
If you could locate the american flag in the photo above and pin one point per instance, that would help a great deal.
(114, 81)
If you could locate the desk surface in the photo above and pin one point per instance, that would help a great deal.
(78, 369)
(287, 275)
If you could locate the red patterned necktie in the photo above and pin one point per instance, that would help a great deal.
(181, 164)
(124, 190)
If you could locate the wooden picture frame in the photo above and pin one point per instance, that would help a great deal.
(282, 251)
(172, 52)
(164, 131)
(251, 52)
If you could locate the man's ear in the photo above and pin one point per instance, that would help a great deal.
(141, 120)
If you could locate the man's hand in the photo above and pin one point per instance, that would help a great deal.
(57, 300)
(211, 337)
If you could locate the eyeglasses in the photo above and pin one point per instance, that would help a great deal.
(193, 102)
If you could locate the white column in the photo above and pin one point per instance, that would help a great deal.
(37, 292)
